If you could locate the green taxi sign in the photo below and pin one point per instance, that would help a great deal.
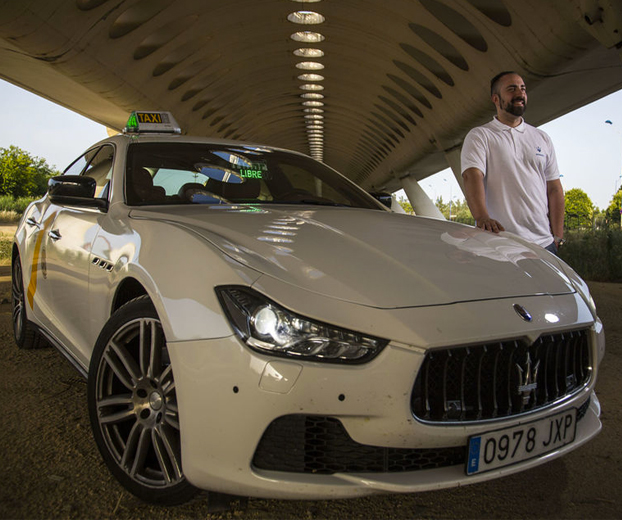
(151, 122)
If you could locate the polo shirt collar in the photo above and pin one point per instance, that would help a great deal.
(500, 126)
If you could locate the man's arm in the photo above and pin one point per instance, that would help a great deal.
(555, 196)
(476, 199)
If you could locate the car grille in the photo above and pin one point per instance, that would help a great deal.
(321, 445)
(318, 444)
(500, 379)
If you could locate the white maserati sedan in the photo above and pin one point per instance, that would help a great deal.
(252, 323)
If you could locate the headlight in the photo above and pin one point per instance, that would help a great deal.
(269, 328)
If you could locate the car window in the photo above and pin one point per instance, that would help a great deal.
(77, 166)
(172, 180)
(302, 182)
(195, 173)
(100, 169)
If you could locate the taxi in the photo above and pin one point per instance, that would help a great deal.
(250, 322)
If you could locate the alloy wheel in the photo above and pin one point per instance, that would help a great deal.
(136, 404)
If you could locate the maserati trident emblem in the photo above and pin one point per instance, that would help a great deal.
(522, 312)
(527, 378)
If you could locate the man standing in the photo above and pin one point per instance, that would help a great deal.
(510, 171)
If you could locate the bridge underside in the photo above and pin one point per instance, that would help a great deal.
(394, 86)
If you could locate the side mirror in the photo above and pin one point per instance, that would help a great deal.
(383, 197)
(75, 190)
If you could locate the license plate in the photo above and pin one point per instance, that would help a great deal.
(501, 448)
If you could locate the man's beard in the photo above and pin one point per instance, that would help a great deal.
(515, 110)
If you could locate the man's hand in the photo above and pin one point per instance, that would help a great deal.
(476, 199)
(490, 224)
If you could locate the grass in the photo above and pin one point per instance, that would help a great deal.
(9, 217)
(6, 245)
(11, 211)
(7, 229)
(8, 222)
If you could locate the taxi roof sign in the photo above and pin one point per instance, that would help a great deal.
(151, 122)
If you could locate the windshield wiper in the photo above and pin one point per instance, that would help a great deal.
(317, 202)
(312, 202)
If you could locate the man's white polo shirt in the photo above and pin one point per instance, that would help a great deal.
(517, 163)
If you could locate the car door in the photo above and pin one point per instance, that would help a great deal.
(67, 255)
(39, 222)
(39, 215)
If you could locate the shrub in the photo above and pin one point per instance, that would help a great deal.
(17, 205)
(595, 255)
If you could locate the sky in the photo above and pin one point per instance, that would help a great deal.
(589, 150)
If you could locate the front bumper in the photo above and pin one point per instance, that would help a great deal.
(229, 395)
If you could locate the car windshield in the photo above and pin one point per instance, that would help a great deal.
(197, 173)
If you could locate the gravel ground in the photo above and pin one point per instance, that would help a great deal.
(50, 466)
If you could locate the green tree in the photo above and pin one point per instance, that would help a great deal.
(462, 212)
(579, 209)
(442, 206)
(21, 174)
(612, 215)
(406, 205)
(600, 218)
(459, 211)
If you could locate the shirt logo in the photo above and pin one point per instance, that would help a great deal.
(539, 152)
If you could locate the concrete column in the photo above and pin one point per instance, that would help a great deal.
(420, 202)
(453, 159)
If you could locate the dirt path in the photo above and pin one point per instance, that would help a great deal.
(50, 467)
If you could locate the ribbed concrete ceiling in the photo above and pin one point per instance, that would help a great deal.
(392, 87)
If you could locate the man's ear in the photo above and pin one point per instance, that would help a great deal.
(495, 99)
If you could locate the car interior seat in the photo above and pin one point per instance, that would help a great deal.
(142, 189)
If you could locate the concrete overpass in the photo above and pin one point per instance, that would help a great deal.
(382, 90)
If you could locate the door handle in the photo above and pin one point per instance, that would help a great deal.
(32, 222)
(54, 234)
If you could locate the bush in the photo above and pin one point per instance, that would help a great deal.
(18, 205)
(595, 255)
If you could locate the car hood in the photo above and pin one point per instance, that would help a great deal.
(372, 258)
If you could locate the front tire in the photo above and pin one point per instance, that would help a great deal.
(133, 406)
(25, 334)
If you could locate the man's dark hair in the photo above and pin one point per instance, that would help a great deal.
(495, 80)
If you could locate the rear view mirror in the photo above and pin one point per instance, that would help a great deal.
(383, 197)
(75, 190)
